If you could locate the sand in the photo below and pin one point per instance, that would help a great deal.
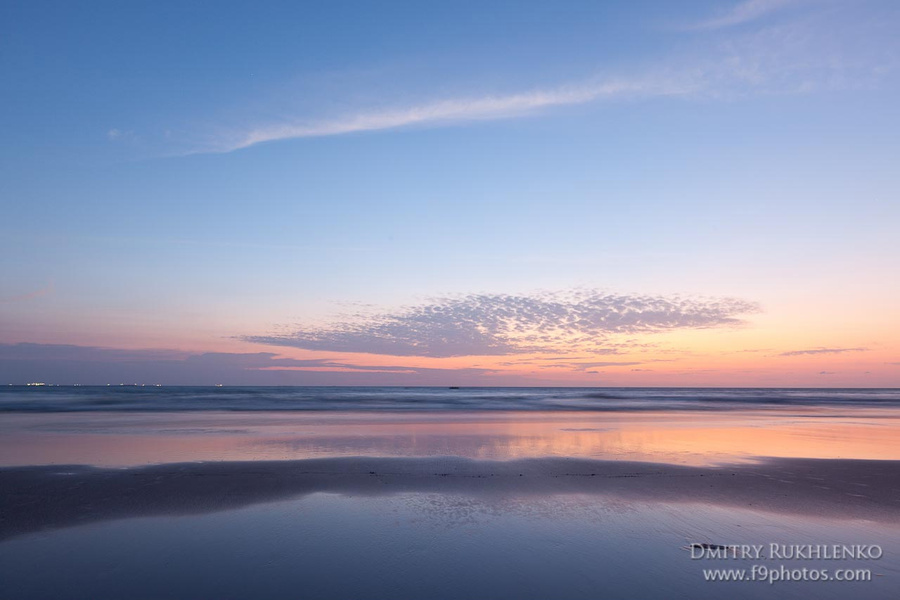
(48, 497)
(563, 506)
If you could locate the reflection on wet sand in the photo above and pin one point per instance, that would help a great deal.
(51, 497)
(110, 439)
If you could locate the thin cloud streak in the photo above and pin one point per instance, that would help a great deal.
(460, 109)
(45, 291)
(577, 366)
(822, 351)
(745, 12)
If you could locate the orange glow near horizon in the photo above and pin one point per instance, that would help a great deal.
(702, 364)
(769, 351)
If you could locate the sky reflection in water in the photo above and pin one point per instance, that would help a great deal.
(108, 439)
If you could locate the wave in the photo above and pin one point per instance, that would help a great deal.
(179, 399)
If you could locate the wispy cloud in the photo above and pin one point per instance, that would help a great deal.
(745, 12)
(119, 135)
(459, 109)
(820, 50)
(822, 351)
(501, 324)
(47, 290)
(585, 366)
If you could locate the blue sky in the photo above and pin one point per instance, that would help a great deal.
(226, 177)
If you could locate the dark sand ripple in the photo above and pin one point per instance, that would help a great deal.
(49, 497)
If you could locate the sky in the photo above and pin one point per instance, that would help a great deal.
(639, 193)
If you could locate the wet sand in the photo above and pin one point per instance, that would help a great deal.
(680, 437)
(41, 498)
(563, 505)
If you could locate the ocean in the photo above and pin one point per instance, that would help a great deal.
(139, 398)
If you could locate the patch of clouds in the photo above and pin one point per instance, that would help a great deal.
(822, 351)
(827, 372)
(119, 135)
(504, 324)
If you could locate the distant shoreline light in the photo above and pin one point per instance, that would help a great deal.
(44, 384)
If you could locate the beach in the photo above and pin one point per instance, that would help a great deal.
(450, 301)
(449, 503)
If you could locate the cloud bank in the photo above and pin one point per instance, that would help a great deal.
(503, 324)
(67, 364)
